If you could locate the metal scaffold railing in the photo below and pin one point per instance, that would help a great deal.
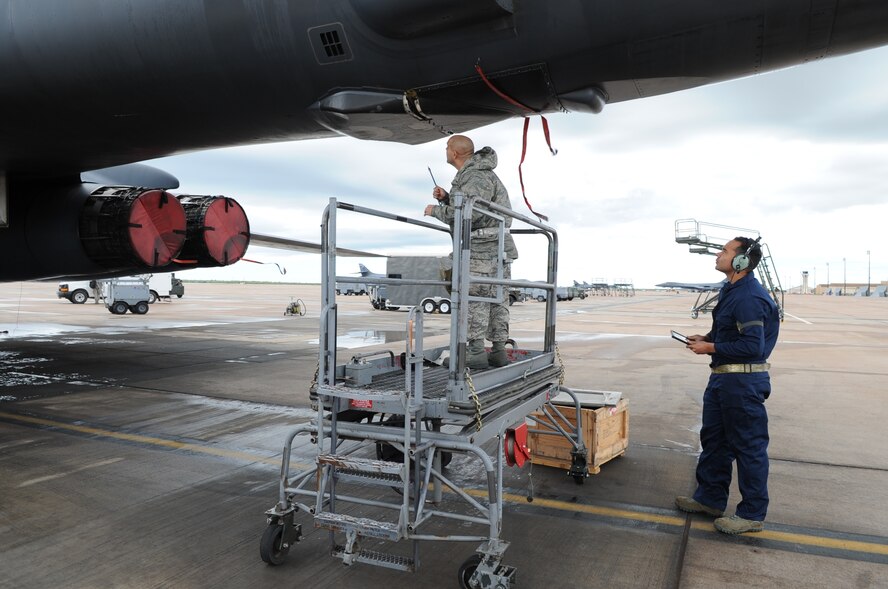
(393, 420)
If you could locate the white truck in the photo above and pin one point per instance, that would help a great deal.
(160, 286)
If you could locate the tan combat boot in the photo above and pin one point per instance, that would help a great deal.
(691, 505)
(737, 525)
(498, 356)
(476, 355)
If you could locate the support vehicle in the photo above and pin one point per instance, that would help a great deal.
(160, 287)
(126, 294)
(429, 297)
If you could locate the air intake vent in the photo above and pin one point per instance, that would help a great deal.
(332, 44)
(329, 43)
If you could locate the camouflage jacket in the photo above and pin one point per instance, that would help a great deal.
(477, 178)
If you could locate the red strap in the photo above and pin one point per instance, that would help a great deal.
(529, 110)
(280, 269)
(499, 92)
(541, 216)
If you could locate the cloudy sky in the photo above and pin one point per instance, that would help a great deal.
(800, 155)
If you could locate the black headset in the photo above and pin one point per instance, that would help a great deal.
(741, 261)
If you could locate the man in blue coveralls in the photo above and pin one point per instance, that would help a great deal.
(745, 323)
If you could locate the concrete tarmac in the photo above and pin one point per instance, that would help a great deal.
(143, 451)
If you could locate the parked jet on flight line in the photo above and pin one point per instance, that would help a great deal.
(97, 86)
(695, 286)
(367, 273)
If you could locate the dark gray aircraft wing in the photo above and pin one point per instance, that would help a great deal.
(305, 246)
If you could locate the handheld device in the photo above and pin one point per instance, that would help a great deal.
(432, 175)
(682, 338)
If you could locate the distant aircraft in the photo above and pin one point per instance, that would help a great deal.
(366, 273)
(96, 86)
(694, 286)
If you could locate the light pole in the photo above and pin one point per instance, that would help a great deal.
(844, 277)
(867, 273)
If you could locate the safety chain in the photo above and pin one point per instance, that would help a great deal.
(313, 387)
(475, 399)
(560, 363)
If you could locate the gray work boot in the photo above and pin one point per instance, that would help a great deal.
(737, 525)
(498, 356)
(691, 505)
(476, 355)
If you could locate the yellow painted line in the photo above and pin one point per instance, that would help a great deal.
(625, 514)
(679, 521)
(821, 542)
(83, 429)
(669, 520)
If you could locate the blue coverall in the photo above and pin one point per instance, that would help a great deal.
(745, 323)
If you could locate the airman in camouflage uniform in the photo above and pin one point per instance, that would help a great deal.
(475, 177)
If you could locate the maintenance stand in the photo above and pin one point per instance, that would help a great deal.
(390, 422)
(701, 238)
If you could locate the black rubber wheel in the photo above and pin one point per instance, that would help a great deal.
(119, 308)
(140, 308)
(579, 479)
(78, 297)
(444, 308)
(271, 547)
(467, 569)
(541, 298)
(429, 306)
(178, 296)
(152, 297)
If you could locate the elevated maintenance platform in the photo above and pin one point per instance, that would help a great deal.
(708, 239)
(394, 419)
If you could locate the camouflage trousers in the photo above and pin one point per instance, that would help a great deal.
(488, 320)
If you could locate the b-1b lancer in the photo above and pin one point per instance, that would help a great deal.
(96, 86)
(694, 286)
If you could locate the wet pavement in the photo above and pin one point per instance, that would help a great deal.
(142, 451)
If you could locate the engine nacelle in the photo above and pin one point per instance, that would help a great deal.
(218, 230)
(65, 230)
(125, 226)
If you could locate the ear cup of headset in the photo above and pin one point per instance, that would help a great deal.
(740, 262)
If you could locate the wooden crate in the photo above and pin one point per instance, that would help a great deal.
(605, 433)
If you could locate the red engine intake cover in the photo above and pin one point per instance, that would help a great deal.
(156, 227)
(218, 230)
(228, 231)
